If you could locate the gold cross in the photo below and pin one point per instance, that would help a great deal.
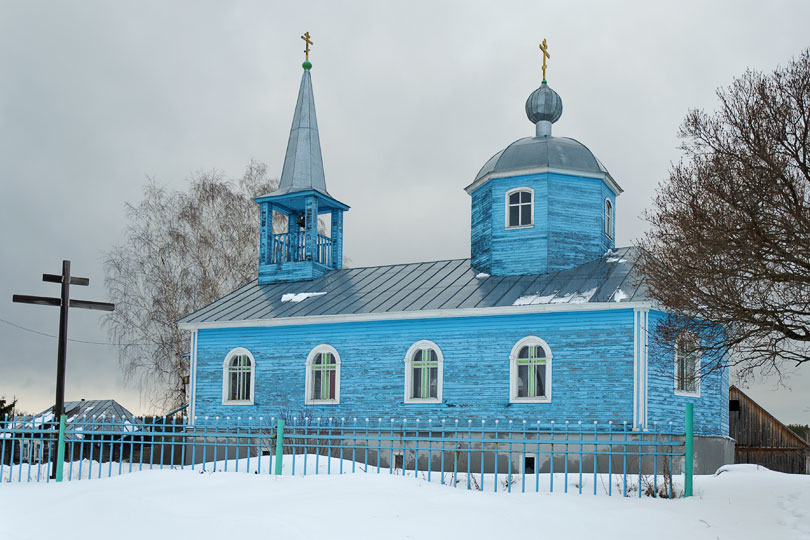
(309, 42)
(544, 48)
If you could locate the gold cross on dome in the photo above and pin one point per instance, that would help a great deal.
(544, 48)
(309, 42)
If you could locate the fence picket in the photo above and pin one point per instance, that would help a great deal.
(245, 445)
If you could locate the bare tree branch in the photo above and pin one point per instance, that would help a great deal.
(728, 251)
(180, 252)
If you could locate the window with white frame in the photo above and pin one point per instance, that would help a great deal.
(608, 218)
(238, 377)
(519, 208)
(423, 373)
(687, 365)
(323, 376)
(530, 371)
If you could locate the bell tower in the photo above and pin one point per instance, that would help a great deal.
(301, 252)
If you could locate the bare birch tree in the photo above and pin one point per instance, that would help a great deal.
(728, 250)
(180, 252)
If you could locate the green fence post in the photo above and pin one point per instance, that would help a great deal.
(60, 449)
(279, 445)
(689, 450)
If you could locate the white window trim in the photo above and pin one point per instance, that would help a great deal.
(322, 348)
(239, 351)
(423, 344)
(513, 372)
(686, 393)
(609, 230)
(506, 207)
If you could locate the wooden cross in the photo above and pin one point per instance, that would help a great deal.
(63, 303)
(544, 48)
(309, 42)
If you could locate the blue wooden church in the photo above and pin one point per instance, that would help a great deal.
(546, 320)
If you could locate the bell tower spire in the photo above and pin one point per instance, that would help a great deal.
(301, 252)
(303, 163)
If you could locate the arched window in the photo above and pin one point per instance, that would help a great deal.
(530, 371)
(423, 373)
(608, 218)
(323, 376)
(687, 365)
(238, 377)
(519, 208)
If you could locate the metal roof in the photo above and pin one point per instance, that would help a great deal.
(543, 152)
(93, 407)
(544, 105)
(104, 410)
(415, 287)
(303, 163)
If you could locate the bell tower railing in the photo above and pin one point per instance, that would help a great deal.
(292, 247)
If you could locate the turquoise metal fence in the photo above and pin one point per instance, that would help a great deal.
(484, 455)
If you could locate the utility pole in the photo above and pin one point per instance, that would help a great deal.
(63, 303)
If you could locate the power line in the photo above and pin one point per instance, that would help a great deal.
(55, 337)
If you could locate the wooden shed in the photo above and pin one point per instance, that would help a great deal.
(764, 440)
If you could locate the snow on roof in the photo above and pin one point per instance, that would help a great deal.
(299, 297)
(89, 411)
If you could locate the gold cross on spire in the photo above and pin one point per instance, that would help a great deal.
(544, 48)
(309, 42)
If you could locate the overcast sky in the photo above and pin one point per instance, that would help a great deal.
(412, 99)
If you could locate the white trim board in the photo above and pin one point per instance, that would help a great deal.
(640, 367)
(410, 315)
(192, 399)
(609, 181)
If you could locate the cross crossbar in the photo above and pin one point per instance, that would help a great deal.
(54, 278)
(88, 304)
(38, 300)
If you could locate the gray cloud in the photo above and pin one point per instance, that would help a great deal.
(412, 99)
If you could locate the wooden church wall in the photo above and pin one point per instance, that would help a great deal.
(576, 220)
(592, 367)
(481, 228)
(519, 251)
(711, 411)
(592, 370)
(567, 230)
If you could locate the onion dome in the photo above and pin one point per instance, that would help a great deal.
(544, 107)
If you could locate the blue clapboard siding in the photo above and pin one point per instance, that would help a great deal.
(291, 271)
(481, 229)
(568, 225)
(520, 251)
(608, 242)
(711, 408)
(592, 371)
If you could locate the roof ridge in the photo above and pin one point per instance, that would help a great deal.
(404, 264)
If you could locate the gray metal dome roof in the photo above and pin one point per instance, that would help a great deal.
(544, 104)
(543, 152)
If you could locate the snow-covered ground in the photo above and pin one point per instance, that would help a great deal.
(739, 503)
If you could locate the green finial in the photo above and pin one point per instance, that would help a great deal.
(307, 64)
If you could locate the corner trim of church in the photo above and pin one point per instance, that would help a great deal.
(641, 317)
